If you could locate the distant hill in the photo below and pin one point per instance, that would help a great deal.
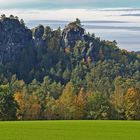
(43, 50)
(65, 74)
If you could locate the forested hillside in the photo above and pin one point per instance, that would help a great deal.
(65, 74)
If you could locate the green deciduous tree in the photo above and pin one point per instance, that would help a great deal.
(8, 105)
(99, 107)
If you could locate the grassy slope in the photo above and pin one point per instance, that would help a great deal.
(70, 130)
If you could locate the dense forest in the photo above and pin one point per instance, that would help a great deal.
(65, 74)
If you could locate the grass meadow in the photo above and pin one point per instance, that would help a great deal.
(70, 130)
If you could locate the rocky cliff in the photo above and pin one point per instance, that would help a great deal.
(35, 53)
(14, 36)
(72, 33)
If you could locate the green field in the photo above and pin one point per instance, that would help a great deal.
(70, 130)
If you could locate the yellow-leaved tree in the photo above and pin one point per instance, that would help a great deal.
(132, 104)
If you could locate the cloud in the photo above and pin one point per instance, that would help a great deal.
(14, 2)
(20, 4)
(71, 14)
(63, 4)
(135, 15)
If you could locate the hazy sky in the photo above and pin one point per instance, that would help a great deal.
(59, 9)
(60, 4)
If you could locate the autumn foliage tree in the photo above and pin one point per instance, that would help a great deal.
(67, 101)
(29, 107)
(80, 105)
(132, 104)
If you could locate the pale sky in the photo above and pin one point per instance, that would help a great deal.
(71, 9)
(66, 4)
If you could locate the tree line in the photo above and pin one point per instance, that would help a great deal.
(51, 100)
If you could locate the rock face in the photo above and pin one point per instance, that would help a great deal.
(13, 37)
(31, 53)
(72, 33)
(38, 36)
